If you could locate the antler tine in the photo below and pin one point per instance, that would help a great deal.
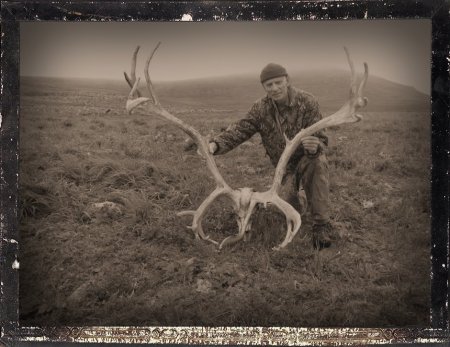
(133, 63)
(131, 81)
(353, 74)
(134, 87)
(354, 90)
(293, 220)
(364, 80)
(147, 76)
(132, 102)
(200, 212)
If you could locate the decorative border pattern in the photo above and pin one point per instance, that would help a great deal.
(232, 335)
(13, 12)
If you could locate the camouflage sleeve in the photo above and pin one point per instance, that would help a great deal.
(313, 115)
(238, 132)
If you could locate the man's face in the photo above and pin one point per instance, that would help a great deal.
(277, 88)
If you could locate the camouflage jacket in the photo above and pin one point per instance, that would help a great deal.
(302, 111)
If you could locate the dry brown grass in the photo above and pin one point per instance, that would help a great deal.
(142, 266)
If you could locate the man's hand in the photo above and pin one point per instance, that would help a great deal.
(311, 144)
(190, 145)
(213, 147)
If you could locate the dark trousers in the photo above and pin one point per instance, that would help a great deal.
(311, 178)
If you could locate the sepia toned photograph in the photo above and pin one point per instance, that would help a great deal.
(232, 174)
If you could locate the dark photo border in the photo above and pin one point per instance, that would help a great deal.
(14, 12)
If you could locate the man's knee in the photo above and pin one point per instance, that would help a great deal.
(314, 165)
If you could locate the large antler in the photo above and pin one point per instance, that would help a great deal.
(244, 200)
(202, 144)
(346, 114)
(132, 80)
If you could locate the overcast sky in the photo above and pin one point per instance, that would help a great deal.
(399, 50)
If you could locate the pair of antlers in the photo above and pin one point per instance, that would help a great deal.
(244, 200)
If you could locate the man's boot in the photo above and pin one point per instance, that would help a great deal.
(323, 235)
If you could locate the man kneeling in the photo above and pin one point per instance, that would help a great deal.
(286, 110)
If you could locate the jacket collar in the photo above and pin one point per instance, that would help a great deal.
(292, 97)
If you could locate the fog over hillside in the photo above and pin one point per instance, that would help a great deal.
(329, 86)
(204, 49)
(238, 92)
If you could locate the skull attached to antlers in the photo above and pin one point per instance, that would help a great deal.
(244, 200)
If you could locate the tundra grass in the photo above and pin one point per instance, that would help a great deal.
(139, 265)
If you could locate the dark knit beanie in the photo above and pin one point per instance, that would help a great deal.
(271, 71)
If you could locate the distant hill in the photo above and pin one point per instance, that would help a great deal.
(330, 87)
(237, 93)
